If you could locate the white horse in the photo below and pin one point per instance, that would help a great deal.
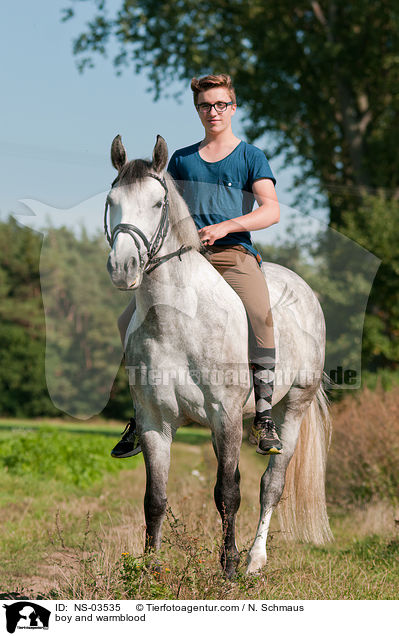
(186, 351)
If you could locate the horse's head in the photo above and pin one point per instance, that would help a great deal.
(138, 213)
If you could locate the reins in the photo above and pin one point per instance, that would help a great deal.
(154, 245)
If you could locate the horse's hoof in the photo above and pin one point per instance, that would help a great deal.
(229, 563)
(255, 563)
(230, 573)
(230, 569)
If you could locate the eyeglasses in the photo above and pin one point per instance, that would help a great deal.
(220, 107)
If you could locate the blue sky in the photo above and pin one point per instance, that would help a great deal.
(57, 125)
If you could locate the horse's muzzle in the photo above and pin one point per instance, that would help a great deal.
(126, 275)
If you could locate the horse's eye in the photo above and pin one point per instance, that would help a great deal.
(158, 204)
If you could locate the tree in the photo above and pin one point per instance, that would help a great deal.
(340, 273)
(23, 388)
(320, 77)
(83, 349)
(72, 348)
(375, 226)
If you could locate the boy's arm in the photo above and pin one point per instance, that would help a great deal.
(265, 215)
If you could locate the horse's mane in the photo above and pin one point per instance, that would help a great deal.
(181, 222)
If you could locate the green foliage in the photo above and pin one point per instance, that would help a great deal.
(296, 68)
(385, 379)
(341, 268)
(23, 388)
(141, 576)
(343, 277)
(341, 274)
(375, 225)
(328, 109)
(71, 345)
(83, 349)
(53, 455)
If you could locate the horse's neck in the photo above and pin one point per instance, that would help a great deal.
(171, 282)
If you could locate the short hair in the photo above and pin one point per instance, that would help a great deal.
(212, 81)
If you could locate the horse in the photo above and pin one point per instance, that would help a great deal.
(186, 352)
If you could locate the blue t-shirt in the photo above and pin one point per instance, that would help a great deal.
(220, 190)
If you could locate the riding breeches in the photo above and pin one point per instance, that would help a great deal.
(241, 270)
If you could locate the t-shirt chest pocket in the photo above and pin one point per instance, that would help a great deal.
(229, 195)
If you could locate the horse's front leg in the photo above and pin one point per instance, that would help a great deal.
(156, 450)
(227, 443)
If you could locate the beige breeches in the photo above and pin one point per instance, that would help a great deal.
(241, 270)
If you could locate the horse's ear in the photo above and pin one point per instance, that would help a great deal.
(118, 153)
(160, 154)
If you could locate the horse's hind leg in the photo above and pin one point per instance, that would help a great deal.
(227, 442)
(156, 450)
(273, 479)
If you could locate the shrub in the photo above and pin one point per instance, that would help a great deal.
(363, 459)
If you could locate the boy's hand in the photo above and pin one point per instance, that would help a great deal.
(211, 233)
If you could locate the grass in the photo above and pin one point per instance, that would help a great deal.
(75, 528)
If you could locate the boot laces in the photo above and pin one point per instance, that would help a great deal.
(131, 424)
(266, 424)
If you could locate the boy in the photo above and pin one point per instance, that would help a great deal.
(220, 178)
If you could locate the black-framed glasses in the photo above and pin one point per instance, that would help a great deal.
(220, 107)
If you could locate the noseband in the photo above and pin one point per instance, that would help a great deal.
(154, 245)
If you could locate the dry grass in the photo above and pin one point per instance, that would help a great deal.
(363, 459)
(91, 546)
(99, 555)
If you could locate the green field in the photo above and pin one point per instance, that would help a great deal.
(72, 526)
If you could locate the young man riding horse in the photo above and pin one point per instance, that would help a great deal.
(235, 174)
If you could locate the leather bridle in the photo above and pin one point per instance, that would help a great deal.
(152, 246)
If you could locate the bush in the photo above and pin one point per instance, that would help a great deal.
(363, 459)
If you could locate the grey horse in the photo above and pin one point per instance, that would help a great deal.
(186, 351)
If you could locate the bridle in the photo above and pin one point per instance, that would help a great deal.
(154, 245)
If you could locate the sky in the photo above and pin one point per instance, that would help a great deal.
(57, 125)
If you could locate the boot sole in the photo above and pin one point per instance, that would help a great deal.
(269, 451)
(132, 453)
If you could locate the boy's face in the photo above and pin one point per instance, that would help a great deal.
(214, 122)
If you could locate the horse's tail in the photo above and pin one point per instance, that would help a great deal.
(302, 509)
